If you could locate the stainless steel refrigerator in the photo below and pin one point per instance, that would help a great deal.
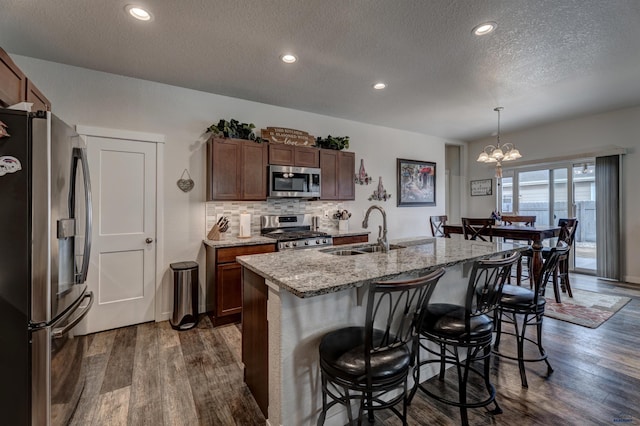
(45, 222)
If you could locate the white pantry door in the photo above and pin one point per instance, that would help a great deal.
(123, 259)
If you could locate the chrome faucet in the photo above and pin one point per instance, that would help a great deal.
(382, 230)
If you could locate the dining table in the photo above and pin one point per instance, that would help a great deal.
(536, 234)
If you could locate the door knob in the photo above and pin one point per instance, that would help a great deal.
(148, 240)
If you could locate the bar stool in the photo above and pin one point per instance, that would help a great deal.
(374, 360)
(522, 308)
(468, 327)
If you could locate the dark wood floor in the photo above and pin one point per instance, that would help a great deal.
(152, 375)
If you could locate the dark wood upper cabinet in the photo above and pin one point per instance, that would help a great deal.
(13, 82)
(346, 175)
(306, 156)
(254, 171)
(282, 155)
(236, 170)
(329, 175)
(16, 87)
(35, 96)
(292, 155)
(337, 179)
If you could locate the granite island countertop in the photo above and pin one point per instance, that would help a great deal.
(313, 272)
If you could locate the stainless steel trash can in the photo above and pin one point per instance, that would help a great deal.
(185, 295)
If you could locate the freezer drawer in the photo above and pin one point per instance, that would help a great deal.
(58, 371)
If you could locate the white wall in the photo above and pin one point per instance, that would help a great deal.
(82, 96)
(571, 138)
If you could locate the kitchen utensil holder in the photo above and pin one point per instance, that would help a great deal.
(215, 233)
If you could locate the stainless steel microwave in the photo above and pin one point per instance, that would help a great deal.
(294, 182)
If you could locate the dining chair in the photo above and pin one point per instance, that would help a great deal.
(523, 221)
(472, 228)
(568, 228)
(522, 307)
(374, 361)
(467, 326)
(437, 224)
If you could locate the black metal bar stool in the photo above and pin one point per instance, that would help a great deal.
(468, 327)
(374, 360)
(522, 308)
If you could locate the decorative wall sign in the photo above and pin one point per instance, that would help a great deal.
(362, 178)
(416, 183)
(287, 136)
(481, 187)
(379, 194)
(185, 185)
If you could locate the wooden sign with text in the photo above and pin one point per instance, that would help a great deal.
(287, 136)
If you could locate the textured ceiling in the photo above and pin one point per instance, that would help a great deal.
(547, 60)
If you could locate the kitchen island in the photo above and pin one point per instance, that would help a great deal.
(291, 299)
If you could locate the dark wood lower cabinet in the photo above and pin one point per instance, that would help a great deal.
(224, 280)
(255, 338)
(350, 239)
(228, 300)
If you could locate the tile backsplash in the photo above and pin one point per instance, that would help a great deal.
(232, 210)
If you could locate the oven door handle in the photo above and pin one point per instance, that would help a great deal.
(59, 332)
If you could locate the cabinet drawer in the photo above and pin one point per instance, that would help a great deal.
(229, 254)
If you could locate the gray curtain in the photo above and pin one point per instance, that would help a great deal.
(608, 216)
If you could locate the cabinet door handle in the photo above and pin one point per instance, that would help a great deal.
(148, 240)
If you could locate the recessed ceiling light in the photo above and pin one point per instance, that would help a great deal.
(379, 86)
(288, 58)
(484, 28)
(138, 12)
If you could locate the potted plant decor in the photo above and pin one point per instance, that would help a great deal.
(234, 129)
(333, 142)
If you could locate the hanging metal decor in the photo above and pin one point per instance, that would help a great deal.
(362, 178)
(3, 130)
(379, 194)
(185, 185)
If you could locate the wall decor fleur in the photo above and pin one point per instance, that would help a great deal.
(379, 194)
(362, 178)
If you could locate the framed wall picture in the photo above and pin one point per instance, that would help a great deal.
(481, 187)
(416, 183)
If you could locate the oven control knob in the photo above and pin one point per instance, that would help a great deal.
(317, 241)
(295, 243)
(324, 241)
(287, 245)
(306, 243)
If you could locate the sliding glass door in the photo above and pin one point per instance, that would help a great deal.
(553, 193)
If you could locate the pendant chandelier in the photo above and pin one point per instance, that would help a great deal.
(499, 153)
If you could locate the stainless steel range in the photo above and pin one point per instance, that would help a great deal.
(293, 231)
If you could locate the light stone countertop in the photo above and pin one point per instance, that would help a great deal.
(312, 272)
(234, 241)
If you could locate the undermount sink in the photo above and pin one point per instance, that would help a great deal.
(376, 248)
(371, 248)
(346, 252)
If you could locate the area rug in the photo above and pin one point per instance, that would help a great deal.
(585, 308)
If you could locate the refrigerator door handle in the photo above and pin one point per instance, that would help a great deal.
(82, 311)
(80, 155)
